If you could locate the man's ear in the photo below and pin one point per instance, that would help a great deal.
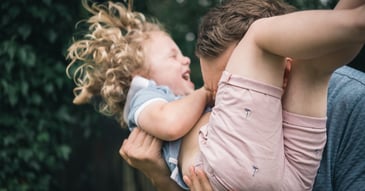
(288, 63)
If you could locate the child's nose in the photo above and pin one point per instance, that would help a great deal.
(185, 60)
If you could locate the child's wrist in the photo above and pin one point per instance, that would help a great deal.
(210, 95)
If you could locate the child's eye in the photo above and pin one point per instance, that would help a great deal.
(174, 56)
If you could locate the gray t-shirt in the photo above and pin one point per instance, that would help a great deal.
(343, 164)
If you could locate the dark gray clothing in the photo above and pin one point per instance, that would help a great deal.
(343, 164)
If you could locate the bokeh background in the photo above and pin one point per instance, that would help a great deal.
(46, 143)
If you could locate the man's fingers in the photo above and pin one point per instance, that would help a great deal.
(148, 139)
(203, 180)
(195, 185)
(155, 143)
(133, 134)
(123, 149)
(188, 182)
(141, 138)
(124, 152)
(197, 180)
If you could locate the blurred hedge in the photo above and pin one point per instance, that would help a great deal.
(37, 119)
(46, 143)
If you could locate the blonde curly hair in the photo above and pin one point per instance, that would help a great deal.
(104, 61)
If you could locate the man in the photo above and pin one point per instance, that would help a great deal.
(343, 123)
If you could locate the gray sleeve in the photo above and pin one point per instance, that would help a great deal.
(343, 164)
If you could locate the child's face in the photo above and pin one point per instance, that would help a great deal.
(212, 68)
(167, 65)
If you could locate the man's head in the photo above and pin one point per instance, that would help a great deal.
(227, 23)
(224, 26)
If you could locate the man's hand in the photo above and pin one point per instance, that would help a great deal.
(197, 181)
(142, 151)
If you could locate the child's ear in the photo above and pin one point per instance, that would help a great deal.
(83, 96)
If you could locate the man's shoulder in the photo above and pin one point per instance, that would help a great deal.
(349, 75)
(347, 81)
(346, 92)
(344, 154)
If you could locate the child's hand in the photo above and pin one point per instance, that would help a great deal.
(210, 95)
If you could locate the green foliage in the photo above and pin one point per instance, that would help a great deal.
(35, 96)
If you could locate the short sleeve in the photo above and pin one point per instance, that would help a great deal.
(342, 167)
(145, 97)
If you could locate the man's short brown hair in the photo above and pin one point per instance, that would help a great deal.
(228, 23)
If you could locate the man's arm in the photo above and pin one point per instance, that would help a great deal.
(143, 152)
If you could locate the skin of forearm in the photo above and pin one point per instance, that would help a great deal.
(160, 178)
(172, 120)
(165, 183)
(349, 4)
(187, 111)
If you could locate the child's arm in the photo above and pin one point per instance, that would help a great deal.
(315, 35)
(349, 4)
(172, 120)
(310, 34)
(347, 53)
(350, 51)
